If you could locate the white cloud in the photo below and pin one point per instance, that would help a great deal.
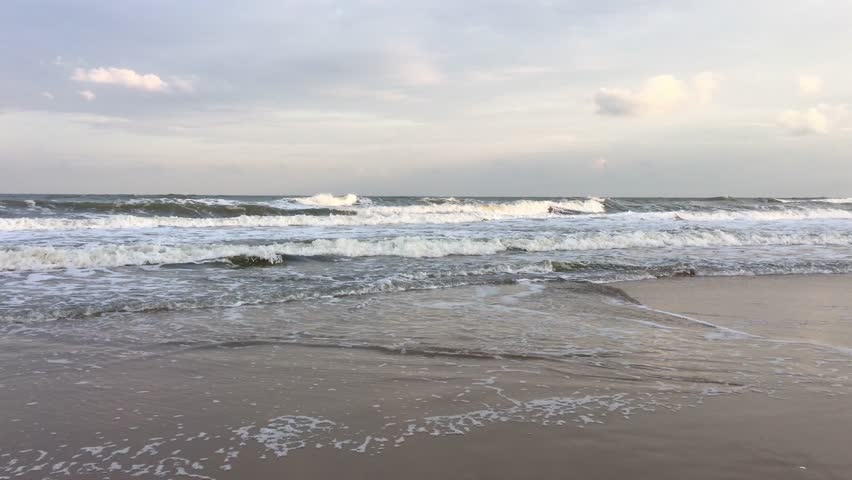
(815, 120)
(121, 76)
(47, 95)
(810, 84)
(660, 94)
(88, 95)
(600, 163)
(804, 122)
(664, 93)
(705, 85)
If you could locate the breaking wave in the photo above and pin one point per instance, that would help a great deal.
(752, 215)
(486, 211)
(836, 201)
(329, 200)
(104, 256)
(435, 214)
(378, 215)
(196, 214)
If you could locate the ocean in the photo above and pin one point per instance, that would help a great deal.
(249, 337)
(73, 256)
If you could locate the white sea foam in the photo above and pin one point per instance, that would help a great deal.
(448, 213)
(136, 222)
(95, 256)
(817, 200)
(736, 333)
(363, 218)
(284, 434)
(212, 201)
(487, 211)
(328, 200)
(379, 215)
(752, 215)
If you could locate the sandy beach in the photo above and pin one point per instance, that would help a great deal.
(265, 408)
(425, 240)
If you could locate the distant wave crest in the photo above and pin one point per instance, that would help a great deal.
(329, 200)
(171, 207)
(361, 212)
(836, 201)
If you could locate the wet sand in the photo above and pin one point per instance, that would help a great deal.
(805, 435)
(812, 308)
(187, 412)
(725, 438)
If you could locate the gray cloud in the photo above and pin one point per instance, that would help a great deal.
(617, 102)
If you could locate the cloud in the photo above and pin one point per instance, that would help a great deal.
(47, 95)
(88, 95)
(806, 122)
(184, 84)
(121, 76)
(618, 102)
(705, 85)
(817, 120)
(810, 84)
(660, 94)
(600, 163)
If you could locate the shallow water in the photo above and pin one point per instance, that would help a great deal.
(169, 393)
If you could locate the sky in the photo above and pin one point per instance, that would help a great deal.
(440, 97)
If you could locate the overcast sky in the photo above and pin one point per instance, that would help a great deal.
(605, 97)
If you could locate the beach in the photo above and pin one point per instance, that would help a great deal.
(746, 377)
(425, 240)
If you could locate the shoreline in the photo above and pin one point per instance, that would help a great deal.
(264, 409)
(787, 307)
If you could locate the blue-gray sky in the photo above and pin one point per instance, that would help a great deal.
(611, 97)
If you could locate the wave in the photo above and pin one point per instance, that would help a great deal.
(105, 256)
(329, 200)
(193, 303)
(835, 201)
(594, 281)
(378, 215)
(752, 215)
(490, 211)
(438, 200)
(170, 207)
(447, 213)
